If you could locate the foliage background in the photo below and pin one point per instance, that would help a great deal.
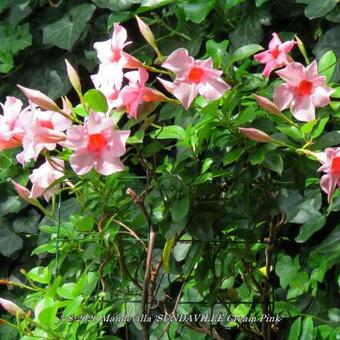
(35, 38)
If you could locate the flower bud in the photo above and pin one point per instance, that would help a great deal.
(73, 77)
(12, 308)
(39, 99)
(268, 105)
(256, 135)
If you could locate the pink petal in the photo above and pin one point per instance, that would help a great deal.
(119, 36)
(169, 86)
(95, 123)
(312, 70)
(328, 184)
(179, 62)
(303, 109)
(81, 161)
(213, 89)
(107, 164)
(321, 95)
(186, 93)
(293, 73)
(270, 66)
(118, 142)
(76, 137)
(283, 96)
(263, 57)
(287, 46)
(274, 42)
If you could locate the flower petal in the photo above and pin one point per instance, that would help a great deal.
(283, 96)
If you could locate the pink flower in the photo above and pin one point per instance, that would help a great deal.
(193, 77)
(303, 91)
(43, 130)
(12, 308)
(43, 177)
(330, 160)
(24, 193)
(97, 145)
(276, 56)
(11, 130)
(256, 135)
(137, 93)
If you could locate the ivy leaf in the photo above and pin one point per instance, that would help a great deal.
(319, 8)
(9, 242)
(6, 61)
(116, 5)
(65, 32)
(286, 269)
(27, 224)
(14, 39)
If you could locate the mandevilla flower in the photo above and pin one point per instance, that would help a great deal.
(44, 176)
(11, 131)
(193, 77)
(276, 55)
(43, 130)
(96, 144)
(137, 93)
(330, 160)
(303, 91)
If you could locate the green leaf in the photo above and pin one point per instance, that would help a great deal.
(330, 246)
(96, 100)
(10, 204)
(65, 32)
(40, 274)
(327, 65)
(116, 5)
(137, 138)
(82, 223)
(152, 148)
(6, 61)
(317, 131)
(46, 310)
(15, 38)
(286, 269)
(197, 10)
(232, 156)
(319, 8)
(200, 227)
(217, 51)
(292, 131)
(328, 139)
(27, 224)
(307, 329)
(334, 314)
(274, 162)
(167, 252)
(180, 209)
(169, 132)
(246, 51)
(310, 227)
(295, 330)
(9, 242)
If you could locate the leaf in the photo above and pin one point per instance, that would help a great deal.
(6, 61)
(82, 223)
(197, 10)
(65, 32)
(96, 100)
(292, 131)
(309, 228)
(10, 204)
(15, 38)
(274, 162)
(9, 242)
(330, 246)
(46, 310)
(286, 269)
(328, 139)
(169, 132)
(167, 252)
(116, 5)
(40, 274)
(200, 227)
(327, 65)
(319, 8)
(180, 209)
(330, 40)
(246, 51)
(232, 156)
(307, 329)
(217, 50)
(27, 224)
(334, 314)
(295, 330)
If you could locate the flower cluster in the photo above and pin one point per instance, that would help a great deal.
(43, 128)
(303, 90)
